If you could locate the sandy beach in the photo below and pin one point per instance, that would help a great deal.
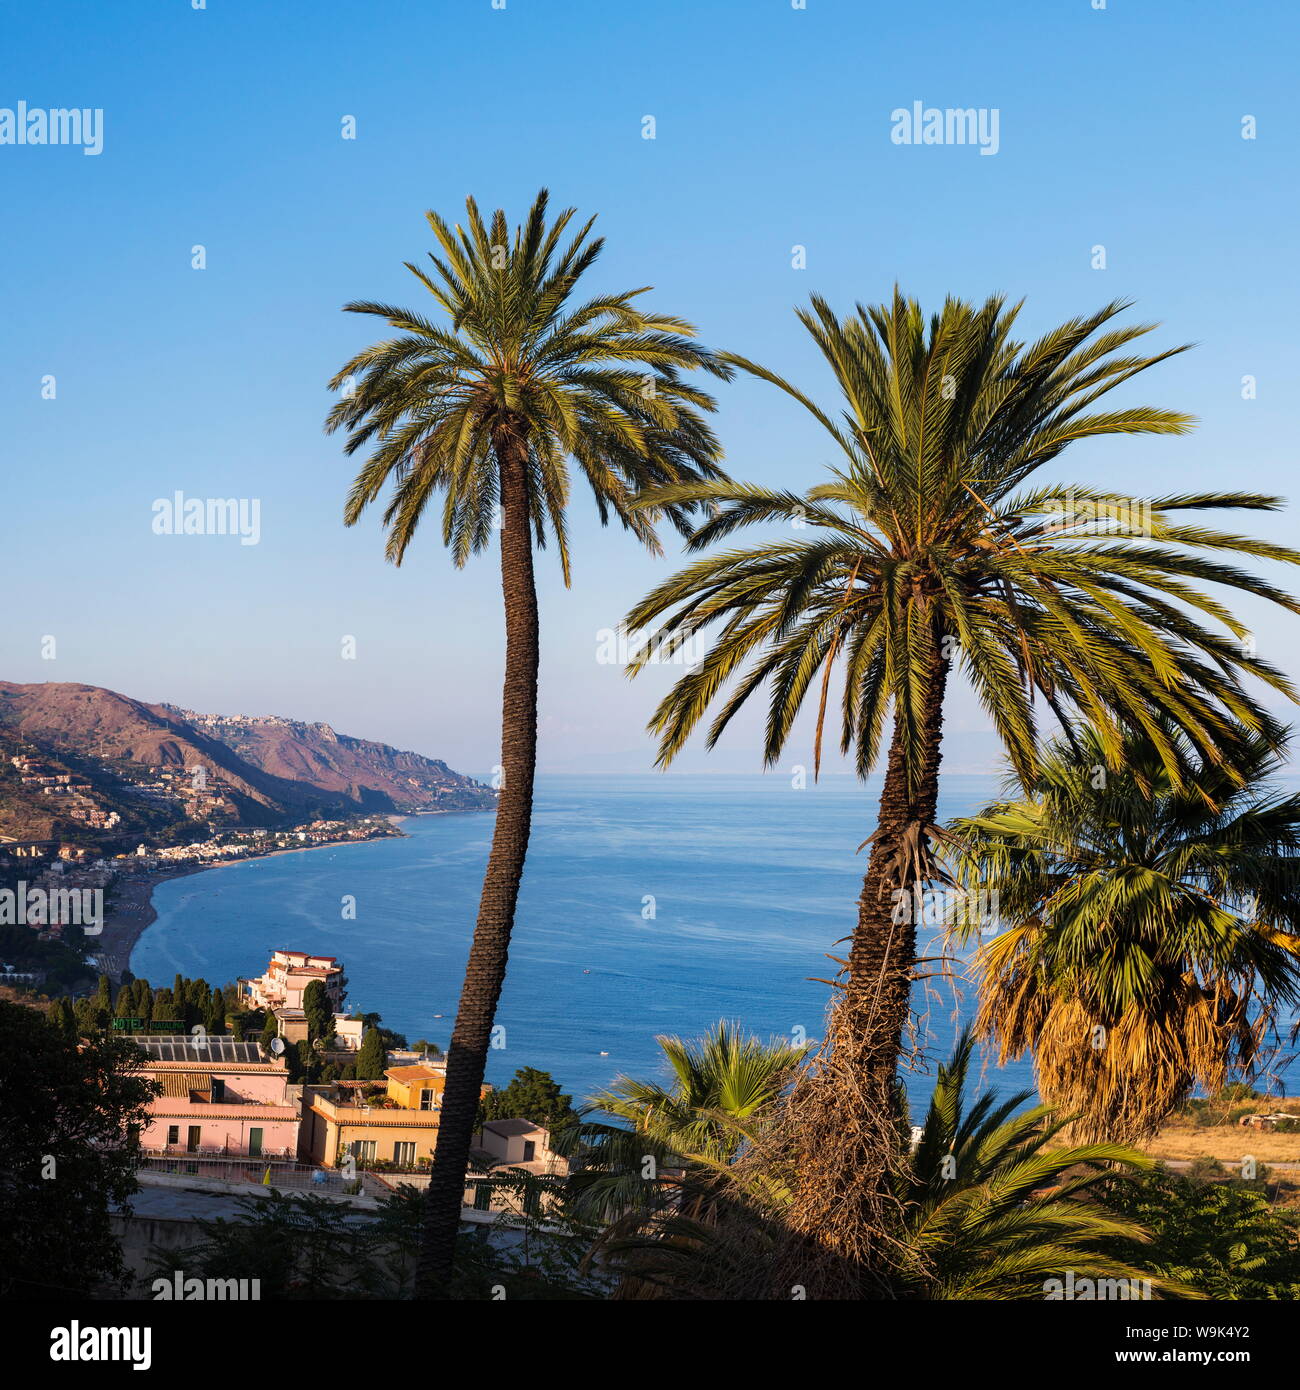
(131, 911)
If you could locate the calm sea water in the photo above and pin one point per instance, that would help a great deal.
(651, 904)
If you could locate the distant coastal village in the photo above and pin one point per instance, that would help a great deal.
(101, 906)
(103, 797)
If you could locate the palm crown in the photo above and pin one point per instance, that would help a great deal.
(598, 382)
(927, 545)
(1166, 919)
(726, 1075)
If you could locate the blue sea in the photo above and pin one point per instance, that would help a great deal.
(653, 904)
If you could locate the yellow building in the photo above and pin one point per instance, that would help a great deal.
(399, 1125)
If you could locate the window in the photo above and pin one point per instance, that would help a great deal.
(254, 1142)
(193, 1134)
(482, 1196)
(429, 1099)
(173, 1134)
(530, 1150)
(404, 1153)
(363, 1150)
(218, 1089)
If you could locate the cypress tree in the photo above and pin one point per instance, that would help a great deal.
(104, 999)
(215, 1017)
(371, 1058)
(320, 1013)
(164, 1006)
(61, 1017)
(86, 1013)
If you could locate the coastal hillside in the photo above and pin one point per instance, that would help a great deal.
(376, 776)
(101, 727)
(92, 754)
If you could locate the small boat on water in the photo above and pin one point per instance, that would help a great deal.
(604, 1054)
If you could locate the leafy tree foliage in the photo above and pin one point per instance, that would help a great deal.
(1221, 1238)
(531, 1095)
(372, 1058)
(66, 1112)
(320, 1012)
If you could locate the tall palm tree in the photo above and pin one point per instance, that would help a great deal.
(929, 550)
(1151, 931)
(490, 410)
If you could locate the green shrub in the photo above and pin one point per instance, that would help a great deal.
(1205, 1169)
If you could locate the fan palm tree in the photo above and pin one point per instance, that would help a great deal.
(726, 1074)
(489, 410)
(928, 549)
(665, 1173)
(690, 1129)
(983, 1207)
(1152, 929)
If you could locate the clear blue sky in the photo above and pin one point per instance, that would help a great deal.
(1119, 127)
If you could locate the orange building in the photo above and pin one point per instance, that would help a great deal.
(396, 1125)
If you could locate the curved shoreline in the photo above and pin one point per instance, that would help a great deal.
(133, 910)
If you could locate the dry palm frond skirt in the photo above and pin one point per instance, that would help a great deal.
(1122, 1076)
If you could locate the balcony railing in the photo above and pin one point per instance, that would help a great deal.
(164, 1151)
(286, 1176)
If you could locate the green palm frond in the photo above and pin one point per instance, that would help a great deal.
(597, 385)
(928, 536)
(725, 1075)
(989, 1204)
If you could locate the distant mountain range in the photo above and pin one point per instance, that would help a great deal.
(147, 760)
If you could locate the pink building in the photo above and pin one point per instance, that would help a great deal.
(286, 980)
(219, 1096)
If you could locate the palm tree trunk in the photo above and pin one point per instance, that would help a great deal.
(884, 944)
(486, 968)
(844, 1113)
